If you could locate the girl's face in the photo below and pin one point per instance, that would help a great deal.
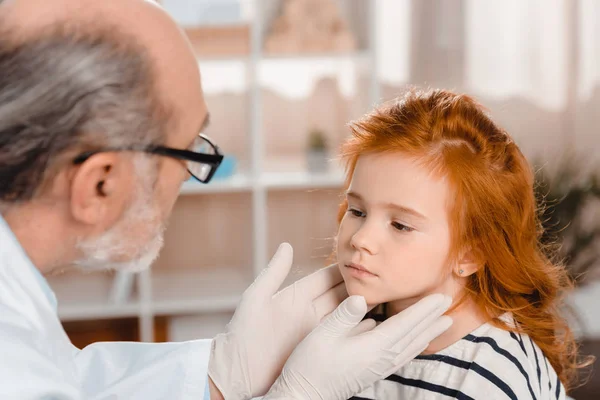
(394, 240)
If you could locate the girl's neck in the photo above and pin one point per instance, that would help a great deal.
(466, 318)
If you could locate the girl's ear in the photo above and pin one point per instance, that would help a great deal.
(469, 262)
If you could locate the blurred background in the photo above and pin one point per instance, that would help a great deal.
(283, 77)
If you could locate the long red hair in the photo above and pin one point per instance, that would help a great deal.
(493, 210)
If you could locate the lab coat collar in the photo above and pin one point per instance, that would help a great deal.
(9, 240)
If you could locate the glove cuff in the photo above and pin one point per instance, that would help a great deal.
(227, 368)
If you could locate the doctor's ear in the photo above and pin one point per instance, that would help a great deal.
(100, 188)
(469, 262)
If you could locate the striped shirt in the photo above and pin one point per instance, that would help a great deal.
(489, 363)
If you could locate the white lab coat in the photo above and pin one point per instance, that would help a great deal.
(38, 362)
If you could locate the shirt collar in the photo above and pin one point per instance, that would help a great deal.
(46, 289)
(43, 283)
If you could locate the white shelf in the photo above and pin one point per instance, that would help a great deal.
(236, 184)
(74, 312)
(198, 326)
(192, 291)
(302, 180)
(359, 55)
(83, 296)
(223, 59)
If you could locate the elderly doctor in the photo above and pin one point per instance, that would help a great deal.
(100, 109)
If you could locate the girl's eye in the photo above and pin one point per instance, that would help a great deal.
(356, 212)
(401, 227)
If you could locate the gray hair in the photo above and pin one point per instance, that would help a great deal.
(67, 91)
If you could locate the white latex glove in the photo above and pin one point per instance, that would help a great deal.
(268, 325)
(341, 357)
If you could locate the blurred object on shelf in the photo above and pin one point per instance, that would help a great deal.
(208, 12)
(220, 41)
(225, 171)
(316, 156)
(227, 168)
(570, 197)
(590, 390)
(309, 26)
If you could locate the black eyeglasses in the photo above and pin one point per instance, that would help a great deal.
(202, 160)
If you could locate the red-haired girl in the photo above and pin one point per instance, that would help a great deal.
(440, 199)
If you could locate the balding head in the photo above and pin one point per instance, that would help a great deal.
(88, 75)
(81, 69)
(143, 21)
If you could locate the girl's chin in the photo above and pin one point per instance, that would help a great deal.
(371, 296)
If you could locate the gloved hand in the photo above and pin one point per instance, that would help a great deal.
(268, 325)
(342, 357)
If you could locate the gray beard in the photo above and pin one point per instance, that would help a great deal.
(102, 252)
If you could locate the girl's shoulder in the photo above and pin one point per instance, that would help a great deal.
(489, 362)
(509, 361)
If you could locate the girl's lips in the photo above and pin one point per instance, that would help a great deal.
(359, 271)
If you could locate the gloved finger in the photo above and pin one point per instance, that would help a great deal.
(412, 321)
(344, 318)
(271, 278)
(327, 302)
(423, 326)
(319, 282)
(405, 351)
(409, 351)
(435, 329)
(402, 359)
(364, 326)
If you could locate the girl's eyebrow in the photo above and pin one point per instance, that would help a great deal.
(397, 207)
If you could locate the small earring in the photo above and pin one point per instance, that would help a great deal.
(460, 271)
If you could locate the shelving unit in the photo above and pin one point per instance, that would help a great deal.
(238, 183)
(86, 296)
(197, 291)
(223, 234)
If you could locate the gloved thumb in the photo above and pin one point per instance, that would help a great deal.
(346, 316)
(271, 278)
